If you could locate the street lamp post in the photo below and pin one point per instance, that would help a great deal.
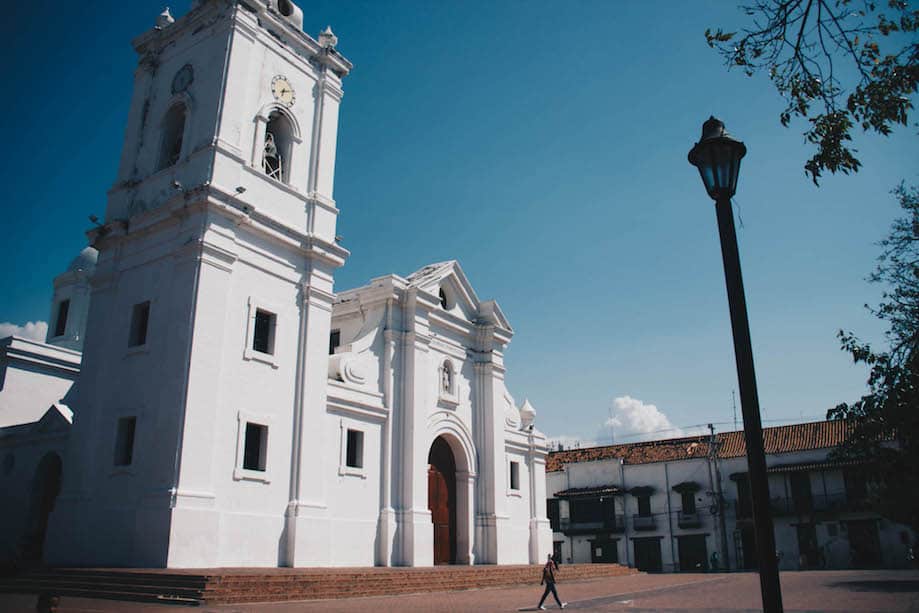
(717, 156)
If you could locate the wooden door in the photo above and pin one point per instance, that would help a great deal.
(442, 501)
(693, 553)
(648, 554)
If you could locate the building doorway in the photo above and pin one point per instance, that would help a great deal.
(745, 548)
(648, 554)
(604, 551)
(864, 544)
(808, 552)
(46, 485)
(442, 500)
(693, 553)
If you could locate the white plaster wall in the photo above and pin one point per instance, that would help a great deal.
(152, 98)
(518, 511)
(259, 386)
(16, 483)
(355, 501)
(119, 381)
(27, 389)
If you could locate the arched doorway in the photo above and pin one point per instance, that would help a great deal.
(442, 500)
(45, 487)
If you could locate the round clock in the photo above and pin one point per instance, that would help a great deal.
(283, 91)
(183, 79)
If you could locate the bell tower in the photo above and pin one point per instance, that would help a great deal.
(205, 359)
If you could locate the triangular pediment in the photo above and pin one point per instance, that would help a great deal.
(460, 297)
(448, 277)
(57, 418)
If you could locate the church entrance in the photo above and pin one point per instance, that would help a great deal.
(45, 487)
(442, 500)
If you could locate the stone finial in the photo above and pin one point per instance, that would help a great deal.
(527, 414)
(164, 19)
(327, 38)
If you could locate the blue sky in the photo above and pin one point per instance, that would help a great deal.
(541, 144)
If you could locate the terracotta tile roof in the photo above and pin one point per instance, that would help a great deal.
(778, 439)
(634, 453)
(784, 439)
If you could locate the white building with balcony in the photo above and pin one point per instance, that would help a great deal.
(684, 504)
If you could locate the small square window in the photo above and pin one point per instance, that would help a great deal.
(263, 332)
(256, 446)
(354, 457)
(60, 326)
(124, 441)
(140, 316)
(515, 475)
(334, 341)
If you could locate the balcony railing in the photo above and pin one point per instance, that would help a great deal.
(818, 503)
(643, 522)
(689, 520)
(611, 524)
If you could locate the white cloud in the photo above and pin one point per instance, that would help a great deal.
(633, 421)
(33, 330)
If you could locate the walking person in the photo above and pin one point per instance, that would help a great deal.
(548, 577)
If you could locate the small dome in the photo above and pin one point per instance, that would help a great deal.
(527, 414)
(86, 261)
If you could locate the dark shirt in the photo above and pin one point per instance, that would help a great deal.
(548, 572)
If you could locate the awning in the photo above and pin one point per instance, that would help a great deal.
(687, 486)
(641, 490)
(804, 466)
(600, 490)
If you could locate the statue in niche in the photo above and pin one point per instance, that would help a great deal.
(446, 378)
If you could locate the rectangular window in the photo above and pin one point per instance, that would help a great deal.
(263, 336)
(552, 513)
(585, 510)
(801, 491)
(334, 341)
(61, 325)
(689, 502)
(515, 475)
(644, 506)
(124, 441)
(140, 316)
(354, 456)
(255, 447)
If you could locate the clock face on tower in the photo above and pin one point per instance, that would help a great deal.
(183, 79)
(282, 90)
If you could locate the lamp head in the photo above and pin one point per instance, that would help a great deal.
(717, 155)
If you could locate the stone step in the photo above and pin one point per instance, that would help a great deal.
(229, 585)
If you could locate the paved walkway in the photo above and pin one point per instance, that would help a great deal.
(887, 591)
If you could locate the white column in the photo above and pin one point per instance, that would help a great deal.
(308, 533)
(325, 135)
(386, 524)
(540, 530)
(193, 534)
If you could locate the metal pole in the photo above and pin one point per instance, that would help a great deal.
(725, 555)
(749, 406)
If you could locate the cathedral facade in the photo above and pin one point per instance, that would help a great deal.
(231, 408)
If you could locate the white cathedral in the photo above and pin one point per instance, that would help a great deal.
(205, 398)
